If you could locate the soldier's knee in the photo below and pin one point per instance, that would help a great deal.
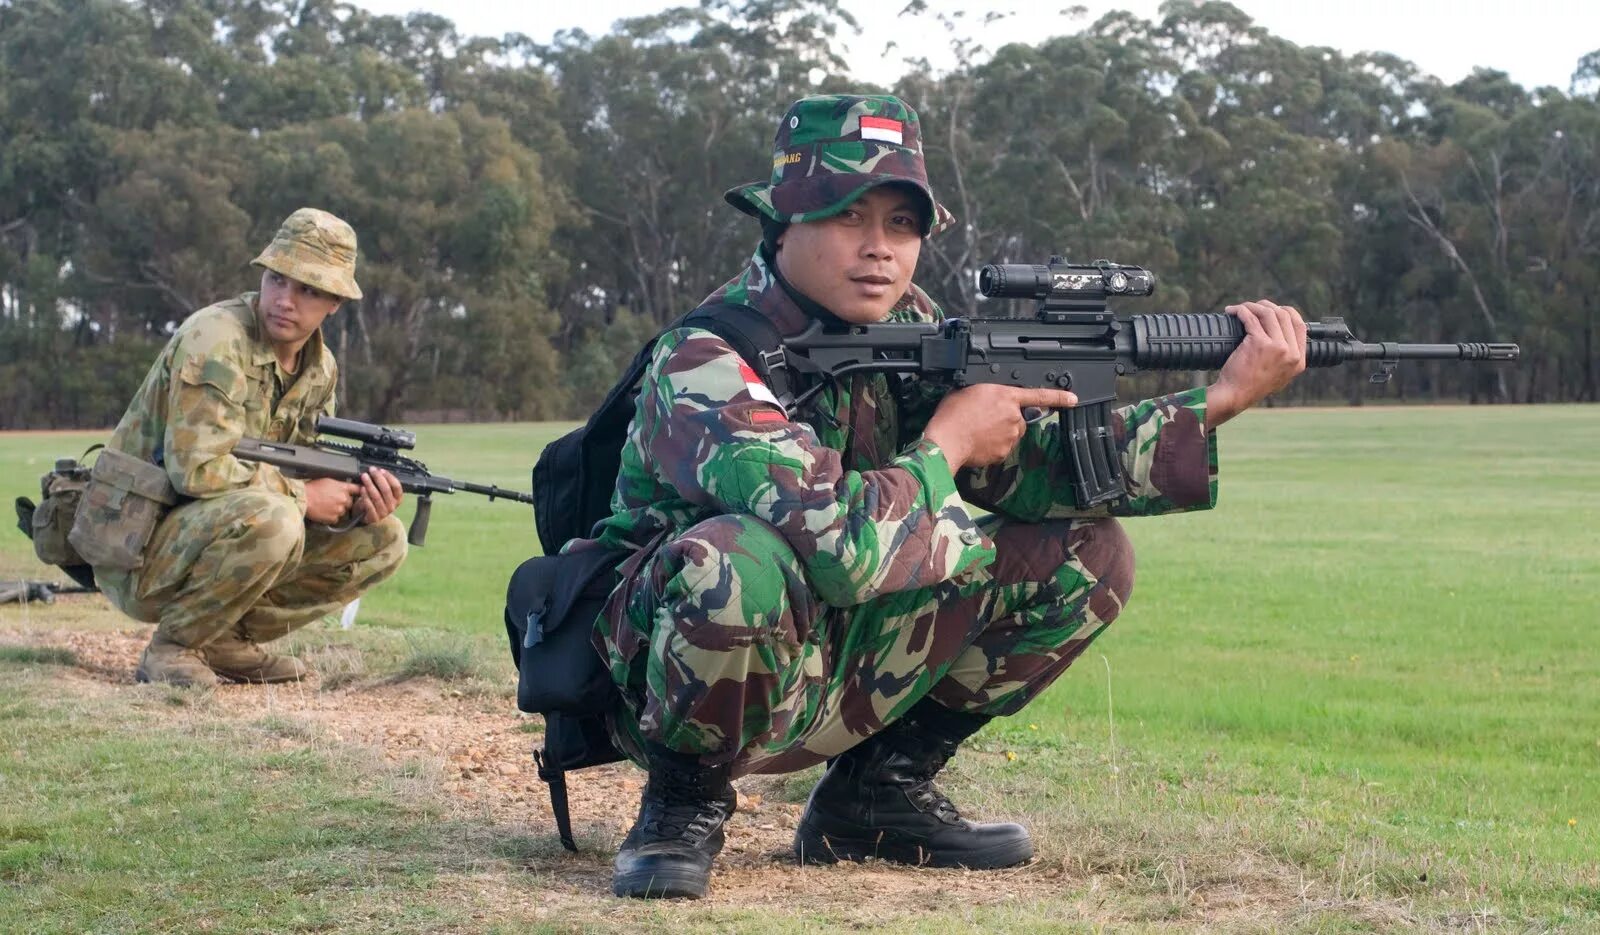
(723, 539)
(732, 564)
(268, 526)
(391, 547)
(1105, 551)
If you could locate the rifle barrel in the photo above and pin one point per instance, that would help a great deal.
(492, 492)
(1204, 341)
(1387, 350)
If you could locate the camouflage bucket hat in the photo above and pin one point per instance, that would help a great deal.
(831, 149)
(315, 248)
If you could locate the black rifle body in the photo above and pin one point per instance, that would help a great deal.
(378, 447)
(1073, 343)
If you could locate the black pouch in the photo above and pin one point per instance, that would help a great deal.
(551, 606)
(552, 603)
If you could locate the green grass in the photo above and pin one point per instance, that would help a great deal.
(38, 655)
(136, 818)
(1365, 689)
(1380, 649)
(448, 659)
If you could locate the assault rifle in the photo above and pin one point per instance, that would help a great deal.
(1072, 342)
(38, 592)
(376, 446)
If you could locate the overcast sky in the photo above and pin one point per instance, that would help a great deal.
(1538, 42)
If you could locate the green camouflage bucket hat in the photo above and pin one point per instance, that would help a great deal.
(315, 248)
(831, 149)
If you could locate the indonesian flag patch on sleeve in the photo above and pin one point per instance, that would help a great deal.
(760, 392)
(882, 128)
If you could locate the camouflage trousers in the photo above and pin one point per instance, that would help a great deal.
(721, 648)
(248, 558)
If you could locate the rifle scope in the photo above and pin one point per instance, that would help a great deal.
(1061, 280)
(367, 433)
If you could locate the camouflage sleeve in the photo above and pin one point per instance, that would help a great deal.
(205, 420)
(714, 434)
(1169, 465)
(303, 431)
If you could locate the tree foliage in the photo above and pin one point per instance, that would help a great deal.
(529, 214)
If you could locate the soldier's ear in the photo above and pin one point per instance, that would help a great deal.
(772, 234)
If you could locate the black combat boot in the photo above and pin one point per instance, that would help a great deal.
(878, 800)
(668, 852)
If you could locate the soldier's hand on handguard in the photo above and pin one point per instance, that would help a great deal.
(980, 424)
(1272, 354)
(380, 496)
(328, 499)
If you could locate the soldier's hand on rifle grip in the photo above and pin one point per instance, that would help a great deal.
(1272, 354)
(328, 499)
(380, 496)
(980, 424)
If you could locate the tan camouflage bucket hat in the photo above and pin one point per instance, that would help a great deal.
(830, 149)
(315, 248)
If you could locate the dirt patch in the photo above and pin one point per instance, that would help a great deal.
(471, 753)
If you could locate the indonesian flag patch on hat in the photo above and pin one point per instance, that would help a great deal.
(886, 129)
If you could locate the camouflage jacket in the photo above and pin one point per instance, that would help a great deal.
(216, 381)
(868, 506)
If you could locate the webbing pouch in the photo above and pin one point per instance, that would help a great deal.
(125, 498)
(50, 523)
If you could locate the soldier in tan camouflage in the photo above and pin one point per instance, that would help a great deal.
(813, 586)
(246, 555)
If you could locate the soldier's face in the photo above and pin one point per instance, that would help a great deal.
(858, 263)
(292, 311)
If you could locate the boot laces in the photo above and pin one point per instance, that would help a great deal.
(683, 805)
(678, 814)
(927, 797)
(930, 799)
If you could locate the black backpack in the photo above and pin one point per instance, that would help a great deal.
(553, 600)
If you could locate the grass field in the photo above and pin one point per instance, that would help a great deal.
(1364, 692)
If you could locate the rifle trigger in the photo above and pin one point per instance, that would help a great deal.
(1384, 373)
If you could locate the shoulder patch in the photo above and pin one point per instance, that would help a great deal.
(753, 384)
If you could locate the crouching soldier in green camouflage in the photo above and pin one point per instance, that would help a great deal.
(245, 554)
(815, 588)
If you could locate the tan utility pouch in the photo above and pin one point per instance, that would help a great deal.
(51, 521)
(125, 499)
